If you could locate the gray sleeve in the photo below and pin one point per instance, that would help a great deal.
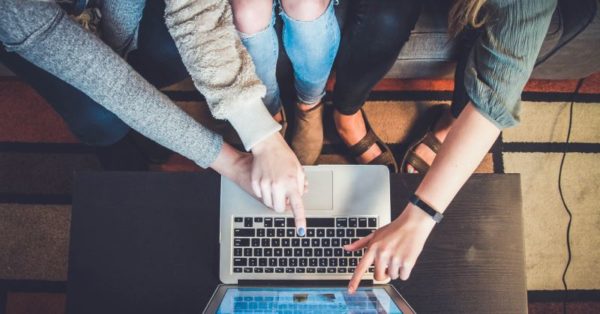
(42, 33)
(502, 59)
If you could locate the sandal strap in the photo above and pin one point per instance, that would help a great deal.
(386, 158)
(364, 144)
(417, 162)
(432, 142)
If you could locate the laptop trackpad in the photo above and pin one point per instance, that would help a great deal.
(320, 190)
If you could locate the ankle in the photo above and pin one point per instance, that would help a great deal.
(346, 123)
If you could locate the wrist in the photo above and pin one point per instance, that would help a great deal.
(267, 144)
(417, 217)
(227, 161)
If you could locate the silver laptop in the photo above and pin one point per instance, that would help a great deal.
(343, 204)
(266, 267)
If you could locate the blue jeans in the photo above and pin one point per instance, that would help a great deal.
(156, 59)
(311, 47)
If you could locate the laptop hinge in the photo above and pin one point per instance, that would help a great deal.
(320, 283)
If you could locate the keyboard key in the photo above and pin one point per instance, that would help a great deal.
(285, 242)
(363, 232)
(303, 262)
(279, 222)
(321, 270)
(270, 232)
(371, 269)
(323, 262)
(315, 242)
(320, 222)
(328, 252)
(313, 262)
(277, 252)
(347, 253)
(345, 242)
(258, 252)
(263, 262)
(308, 252)
(320, 233)
(289, 270)
(247, 270)
(295, 242)
(268, 252)
(260, 232)
(269, 270)
(290, 223)
(358, 253)
(297, 252)
(258, 219)
(283, 262)
(287, 252)
(340, 233)
(310, 270)
(280, 233)
(241, 242)
(293, 262)
(272, 262)
(318, 252)
(353, 222)
(341, 270)
(351, 269)
(353, 262)
(248, 222)
(279, 270)
(338, 252)
(362, 222)
(330, 233)
(325, 242)
(350, 233)
(255, 242)
(243, 232)
(335, 242)
(343, 262)
(268, 223)
(240, 262)
(300, 270)
(238, 219)
(247, 251)
(237, 252)
(331, 270)
(305, 242)
(265, 242)
(252, 262)
(290, 232)
(275, 242)
(341, 222)
(258, 270)
(372, 222)
(333, 262)
(237, 269)
(310, 232)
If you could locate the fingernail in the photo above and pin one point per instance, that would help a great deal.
(411, 170)
(301, 231)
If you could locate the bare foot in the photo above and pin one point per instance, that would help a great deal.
(352, 129)
(440, 131)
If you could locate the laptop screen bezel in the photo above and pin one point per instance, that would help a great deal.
(219, 294)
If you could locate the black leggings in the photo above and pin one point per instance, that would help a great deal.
(374, 31)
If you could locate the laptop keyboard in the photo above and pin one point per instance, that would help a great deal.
(270, 244)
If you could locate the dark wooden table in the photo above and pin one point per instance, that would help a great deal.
(148, 243)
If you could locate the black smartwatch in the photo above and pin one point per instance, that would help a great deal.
(435, 215)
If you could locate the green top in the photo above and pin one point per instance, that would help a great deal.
(503, 57)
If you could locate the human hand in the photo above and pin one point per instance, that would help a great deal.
(393, 248)
(278, 178)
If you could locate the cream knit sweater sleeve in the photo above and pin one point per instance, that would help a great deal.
(220, 66)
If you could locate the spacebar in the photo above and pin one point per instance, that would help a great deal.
(320, 222)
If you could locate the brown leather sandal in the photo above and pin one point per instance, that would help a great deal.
(429, 140)
(386, 157)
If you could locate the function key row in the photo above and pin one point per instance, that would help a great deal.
(291, 233)
(279, 222)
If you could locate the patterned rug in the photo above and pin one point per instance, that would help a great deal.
(38, 157)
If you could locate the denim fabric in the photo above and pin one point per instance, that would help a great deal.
(311, 47)
(263, 47)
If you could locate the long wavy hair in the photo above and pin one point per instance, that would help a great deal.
(466, 12)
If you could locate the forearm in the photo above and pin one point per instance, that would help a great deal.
(65, 50)
(468, 141)
(220, 66)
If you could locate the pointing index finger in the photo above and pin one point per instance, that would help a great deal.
(298, 210)
(362, 267)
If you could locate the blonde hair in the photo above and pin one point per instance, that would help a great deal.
(463, 13)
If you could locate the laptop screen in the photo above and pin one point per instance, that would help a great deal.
(307, 300)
